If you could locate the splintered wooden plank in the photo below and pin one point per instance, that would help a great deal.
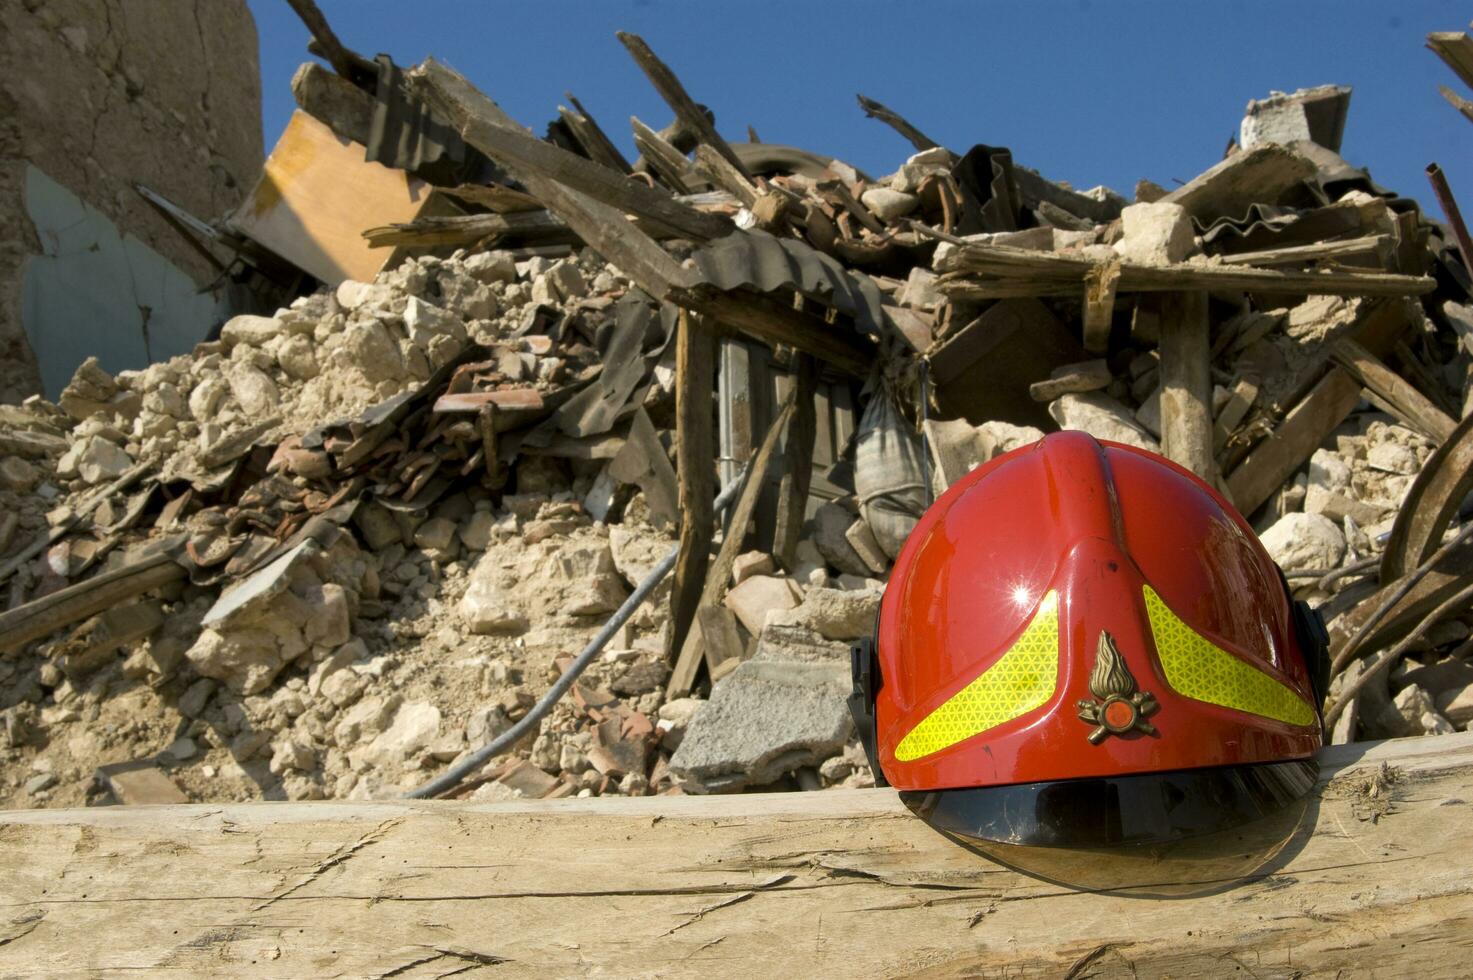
(720, 641)
(1406, 402)
(1455, 48)
(668, 163)
(1186, 383)
(797, 462)
(832, 883)
(592, 137)
(484, 125)
(1244, 394)
(679, 100)
(1310, 422)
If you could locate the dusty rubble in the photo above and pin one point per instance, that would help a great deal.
(391, 513)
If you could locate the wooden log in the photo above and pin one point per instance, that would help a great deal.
(695, 455)
(680, 102)
(1406, 403)
(718, 575)
(1186, 383)
(834, 883)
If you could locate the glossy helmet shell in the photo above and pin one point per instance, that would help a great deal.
(1093, 531)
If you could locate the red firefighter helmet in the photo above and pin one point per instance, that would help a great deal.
(1084, 645)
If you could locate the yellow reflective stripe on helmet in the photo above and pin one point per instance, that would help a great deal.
(1198, 669)
(1021, 680)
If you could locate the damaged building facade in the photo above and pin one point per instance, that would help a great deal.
(164, 95)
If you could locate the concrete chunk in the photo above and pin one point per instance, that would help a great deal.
(757, 597)
(1102, 417)
(763, 720)
(1155, 234)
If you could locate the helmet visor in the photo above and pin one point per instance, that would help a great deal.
(1172, 833)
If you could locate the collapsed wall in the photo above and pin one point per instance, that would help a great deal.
(96, 97)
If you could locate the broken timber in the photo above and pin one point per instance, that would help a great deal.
(699, 886)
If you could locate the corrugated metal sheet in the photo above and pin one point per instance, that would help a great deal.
(760, 261)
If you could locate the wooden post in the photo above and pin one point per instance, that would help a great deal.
(695, 454)
(797, 461)
(1186, 383)
(688, 664)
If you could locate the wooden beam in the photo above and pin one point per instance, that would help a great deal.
(668, 163)
(1186, 383)
(538, 226)
(835, 882)
(897, 122)
(1406, 402)
(1459, 103)
(1307, 425)
(765, 318)
(1377, 246)
(976, 271)
(1455, 48)
(714, 167)
(718, 575)
(797, 475)
(485, 126)
(695, 457)
(346, 62)
(591, 135)
(680, 102)
(1244, 394)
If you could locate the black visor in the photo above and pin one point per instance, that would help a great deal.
(1171, 831)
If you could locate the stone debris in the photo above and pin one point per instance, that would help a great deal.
(399, 506)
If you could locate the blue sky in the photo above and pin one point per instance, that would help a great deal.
(1085, 91)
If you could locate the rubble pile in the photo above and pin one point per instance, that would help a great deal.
(336, 550)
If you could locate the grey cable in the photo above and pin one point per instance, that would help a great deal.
(456, 774)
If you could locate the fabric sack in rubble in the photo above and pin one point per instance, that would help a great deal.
(889, 473)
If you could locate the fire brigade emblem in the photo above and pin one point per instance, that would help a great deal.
(1120, 707)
